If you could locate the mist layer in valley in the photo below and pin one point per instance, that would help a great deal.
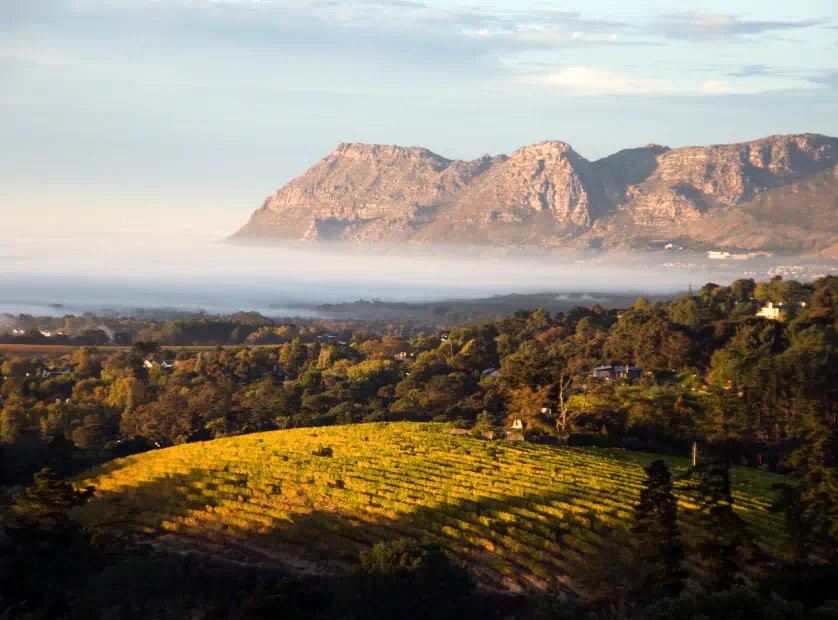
(71, 275)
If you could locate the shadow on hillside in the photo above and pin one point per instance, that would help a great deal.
(505, 544)
(632, 166)
(505, 551)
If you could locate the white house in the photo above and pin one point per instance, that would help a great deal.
(774, 311)
(164, 364)
(771, 311)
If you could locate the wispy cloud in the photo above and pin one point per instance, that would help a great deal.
(828, 79)
(719, 26)
(758, 70)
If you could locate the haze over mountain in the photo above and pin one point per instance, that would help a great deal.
(777, 193)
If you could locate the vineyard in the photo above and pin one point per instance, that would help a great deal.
(521, 515)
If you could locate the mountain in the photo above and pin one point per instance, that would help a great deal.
(774, 193)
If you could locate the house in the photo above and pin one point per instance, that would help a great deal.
(52, 372)
(603, 372)
(713, 255)
(774, 312)
(612, 373)
(164, 364)
(402, 356)
(771, 311)
(517, 425)
(490, 372)
(629, 373)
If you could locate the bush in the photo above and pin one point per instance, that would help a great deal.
(409, 579)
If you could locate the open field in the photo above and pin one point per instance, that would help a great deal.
(39, 350)
(521, 515)
(36, 350)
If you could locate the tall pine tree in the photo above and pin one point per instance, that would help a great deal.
(657, 538)
(725, 542)
(812, 508)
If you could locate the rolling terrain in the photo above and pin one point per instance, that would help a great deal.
(520, 515)
(768, 194)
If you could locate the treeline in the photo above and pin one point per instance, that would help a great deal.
(708, 370)
(240, 328)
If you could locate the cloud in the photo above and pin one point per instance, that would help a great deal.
(758, 70)
(828, 79)
(713, 87)
(594, 81)
(406, 47)
(586, 81)
(701, 25)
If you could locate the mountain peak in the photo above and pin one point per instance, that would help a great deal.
(360, 150)
(546, 149)
(546, 194)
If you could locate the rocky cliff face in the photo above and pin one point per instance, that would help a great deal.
(545, 194)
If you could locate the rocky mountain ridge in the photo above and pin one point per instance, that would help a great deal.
(549, 195)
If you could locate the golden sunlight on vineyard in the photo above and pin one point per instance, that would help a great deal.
(521, 515)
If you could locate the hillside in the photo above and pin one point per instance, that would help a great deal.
(548, 195)
(521, 515)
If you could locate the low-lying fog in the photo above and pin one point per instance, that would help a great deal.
(191, 273)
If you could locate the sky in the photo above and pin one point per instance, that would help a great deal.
(178, 117)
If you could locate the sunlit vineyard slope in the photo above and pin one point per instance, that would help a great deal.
(520, 515)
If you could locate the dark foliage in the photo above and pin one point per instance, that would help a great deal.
(657, 538)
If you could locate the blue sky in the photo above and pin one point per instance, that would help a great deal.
(144, 116)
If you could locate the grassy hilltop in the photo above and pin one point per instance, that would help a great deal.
(520, 515)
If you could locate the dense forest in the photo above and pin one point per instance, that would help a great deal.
(703, 368)
(707, 370)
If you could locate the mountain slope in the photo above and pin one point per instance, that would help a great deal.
(799, 216)
(548, 195)
(521, 515)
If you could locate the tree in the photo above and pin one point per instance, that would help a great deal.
(292, 357)
(724, 538)
(411, 579)
(812, 508)
(743, 288)
(47, 551)
(87, 361)
(15, 424)
(17, 367)
(144, 348)
(526, 402)
(45, 507)
(657, 538)
(566, 412)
